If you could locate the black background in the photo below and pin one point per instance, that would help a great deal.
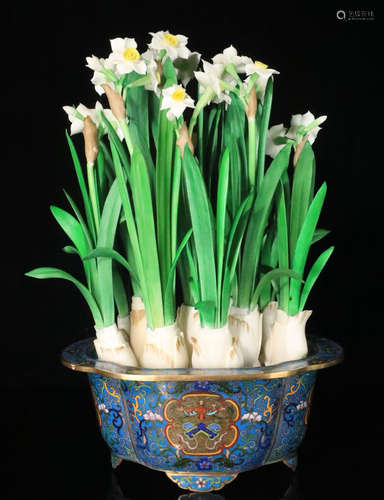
(51, 444)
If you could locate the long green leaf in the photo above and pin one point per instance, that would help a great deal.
(90, 267)
(313, 275)
(302, 246)
(222, 194)
(83, 187)
(283, 249)
(236, 233)
(142, 200)
(264, 123)
(52, 272)
(164, 167)
(301, 194)
(108, 224)
(256, 226)
(114, 139)
(131, 229)
(200, 210)
(169, 312)
(120, 293)
(175, 197)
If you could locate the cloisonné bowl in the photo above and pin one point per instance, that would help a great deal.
(203, 427)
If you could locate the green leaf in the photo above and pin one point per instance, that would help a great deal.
(257, 223)
(169, 310)
(113, 254)
(313, 275)
(114, 138)
(200, 210)
(222, 194)
(136, 104)
(206, 309)
(120, 293)
(89, 267)
(83, 187)
(236, 234)
(301, 194)
(69, 249)
(108, 224)
(263, 130)
(164, 167)
(266, 280)
(175, 197)
(52, 272)
(79, 218)
(303, 244)
(72, 228)
(211, 149)
(319, 235)
(283, 248)
(142, 200)
(131, 230)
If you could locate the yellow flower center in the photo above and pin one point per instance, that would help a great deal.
(171, 39)
(178, 95)
(131, 54)
(260, 65)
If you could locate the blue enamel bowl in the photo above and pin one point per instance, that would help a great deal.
(203, 427)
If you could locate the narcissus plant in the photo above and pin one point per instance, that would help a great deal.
(197, 218)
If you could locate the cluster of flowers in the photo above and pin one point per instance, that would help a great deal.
(252, 417)
(150, 415)
(215, 83)
(302, 405)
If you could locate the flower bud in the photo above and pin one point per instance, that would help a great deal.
(252, 104)
(183, 139)
(116, 102)
(90, 140)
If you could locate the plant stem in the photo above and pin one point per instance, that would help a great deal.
(93, 195)
(204, 100)
(127, 135)
(252, 146)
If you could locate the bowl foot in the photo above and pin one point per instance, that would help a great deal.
(291, 461)
(115, 461)
(200, 482)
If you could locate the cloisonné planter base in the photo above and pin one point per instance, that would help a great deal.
(203, 427)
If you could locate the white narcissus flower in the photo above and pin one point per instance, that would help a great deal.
(104, 72)
(298, 121)
(229, 56)
(263, 72)
(174, 45)
(271, 148)
(76, 117)
(153, 72)
(210, 77)
(176, 100)
(126, 57)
